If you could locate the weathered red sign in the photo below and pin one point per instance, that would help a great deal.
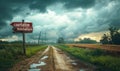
(20, 24)
(25, 27)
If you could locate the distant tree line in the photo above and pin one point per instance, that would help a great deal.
(3, 42)
(87, 40)
(60, 40)
(7, 42)
(112, 38)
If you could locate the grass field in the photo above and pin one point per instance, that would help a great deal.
(96, 57)
(10, 54)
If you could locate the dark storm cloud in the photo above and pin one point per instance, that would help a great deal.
(7, 10)
(11, 8)
(106, 13)
(115, 17)
(41, 4)
(110, 16)
(69, 4)
(78, 3)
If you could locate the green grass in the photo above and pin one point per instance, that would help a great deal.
(96, 57)
(32, 50)
(11, 54)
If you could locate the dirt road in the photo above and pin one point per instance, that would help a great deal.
(52, 59)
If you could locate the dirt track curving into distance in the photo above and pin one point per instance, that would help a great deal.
(52, 59)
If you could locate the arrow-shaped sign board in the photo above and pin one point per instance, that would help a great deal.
(25, 27)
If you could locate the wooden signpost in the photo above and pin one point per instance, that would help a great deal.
(22, 27)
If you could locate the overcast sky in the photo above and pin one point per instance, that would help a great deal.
(70, 19)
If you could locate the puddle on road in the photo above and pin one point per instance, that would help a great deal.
(74, 63)
(34, 70)
(82, 70)
(34, 65)
(45, 57)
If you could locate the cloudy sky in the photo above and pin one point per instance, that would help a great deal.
(70, 19)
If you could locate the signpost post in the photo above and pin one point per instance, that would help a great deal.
(22, 27)
(24, 49)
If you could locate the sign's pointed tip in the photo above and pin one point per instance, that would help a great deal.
(11, 24)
